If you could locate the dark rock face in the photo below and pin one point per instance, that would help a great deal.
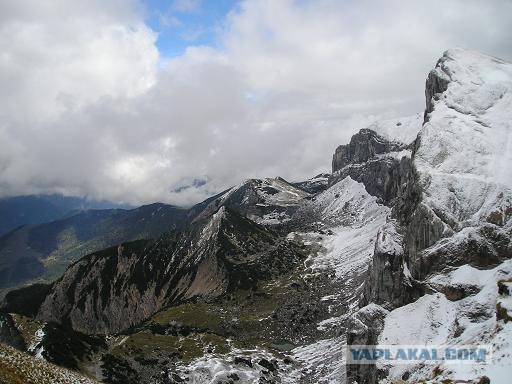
(94, 295)
(9, 334)
(314, 185)
(364, 328)
(27, 300)
(397, 267)
(112, 290)
(362, 147)
(435, 85)
(391, 282)
(63, 346)
(368, 159)
(485, 249)
(399, 264)
(382, 177)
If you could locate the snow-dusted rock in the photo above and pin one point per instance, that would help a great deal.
(455, 214)
(314, 185)
(266, 201)
(434, 320)
(379, 157)
(363, 146)
(465, 148)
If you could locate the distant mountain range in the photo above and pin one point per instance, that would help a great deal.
(43, 252)
(37, 209)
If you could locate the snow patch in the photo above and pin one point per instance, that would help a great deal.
(36, 347)
(403, 129)
(357, 217)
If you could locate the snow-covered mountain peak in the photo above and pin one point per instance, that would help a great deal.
(476, 81)
(266, 201)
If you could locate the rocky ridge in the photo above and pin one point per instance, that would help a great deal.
(110, 291)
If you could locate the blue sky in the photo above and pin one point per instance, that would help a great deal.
(182, 23)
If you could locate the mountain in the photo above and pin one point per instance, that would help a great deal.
(446, 249)
(37, 209)
(112, 290)
(315, 184)
(265, 201)
(407, 241)
(44, 251)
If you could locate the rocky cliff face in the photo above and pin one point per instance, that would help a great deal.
(453, 209)
(362, 147)
(314, 185)
(378, 157)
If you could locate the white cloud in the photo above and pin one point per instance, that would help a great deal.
(186, 6)
(88, 113)
(56, 56)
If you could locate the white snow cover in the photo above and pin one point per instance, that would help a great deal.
(434, 320)
(401, 129)
(36, 347)
(347, 202)
(355, 217)
(216, 369)
(395, 155)
(325, 357)
(350, 219)
(465, 148)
